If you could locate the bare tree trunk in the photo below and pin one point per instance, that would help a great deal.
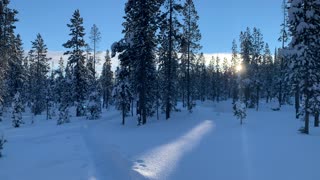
(306, 118)
(297, 101)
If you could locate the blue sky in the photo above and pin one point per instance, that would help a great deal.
(220, 21)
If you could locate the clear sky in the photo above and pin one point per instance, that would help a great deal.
(220, 21)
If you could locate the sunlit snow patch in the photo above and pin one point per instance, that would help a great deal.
(161, 161)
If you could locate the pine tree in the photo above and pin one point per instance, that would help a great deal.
(39, 68)
(267, 71)
(66, 100)
(17, 107)
(246, 44)
(218, 77)
(15, 77)
(304, 20)
(235, 64)
(190, 43)
(168, 58)
(77, 60)
(140, 31)
(282, 65)
(212, 80)
(106, 81)
(7, 39)
(203, 78)
(94, 106)
(95, 37)
(258, 45)
(122, 92)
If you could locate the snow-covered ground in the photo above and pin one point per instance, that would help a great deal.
(207, 144)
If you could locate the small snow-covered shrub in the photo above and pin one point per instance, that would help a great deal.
(94, 106)
(63, 114)
(2, 141)
(239, 110)
(17, 107)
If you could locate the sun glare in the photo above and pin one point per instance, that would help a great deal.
(238, 68)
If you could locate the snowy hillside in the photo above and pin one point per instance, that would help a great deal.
(207, 144)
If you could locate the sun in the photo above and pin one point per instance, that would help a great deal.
(238, 68)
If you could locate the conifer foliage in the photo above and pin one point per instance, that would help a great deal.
(304, 24)
(39, 68)
(77, 61)
(17, 107)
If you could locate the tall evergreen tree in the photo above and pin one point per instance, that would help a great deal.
(246, 44)
(168, 59)
(267, 73)
(106, 81)
(39, 68)
(304, 20)
(235, 64)
(15, 78)
(140, 33)
(122, 92)
(95, 37)
(7, 37)
(282, 65)
(77, 60)
(190, 43)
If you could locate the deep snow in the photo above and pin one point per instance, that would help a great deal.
(208, 144)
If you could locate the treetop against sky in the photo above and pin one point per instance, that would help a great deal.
(220, 21)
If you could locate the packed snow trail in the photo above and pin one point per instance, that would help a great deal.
(108, 161)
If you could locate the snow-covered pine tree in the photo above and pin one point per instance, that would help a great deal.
(199, 78)
(94, 106)
(122, 91)
(203, 88)
(304, 25)
(235, 64)
(77, 61)
(267, 73)
(51, 97)
(168, 59)
(226, 79)
(239, 110)
(218, 79)
(106, 81)
(17, 107)
(212, 79)
(26, 86)
(39, 68)
(190, 43)
(94, 103)
(7, 37)
(66, 100)
(284, 38)
(140, 32)
(246, 43)
(257, 47)
(59, 81)
(15, 78)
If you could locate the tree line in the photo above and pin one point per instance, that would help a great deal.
(161, 65)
